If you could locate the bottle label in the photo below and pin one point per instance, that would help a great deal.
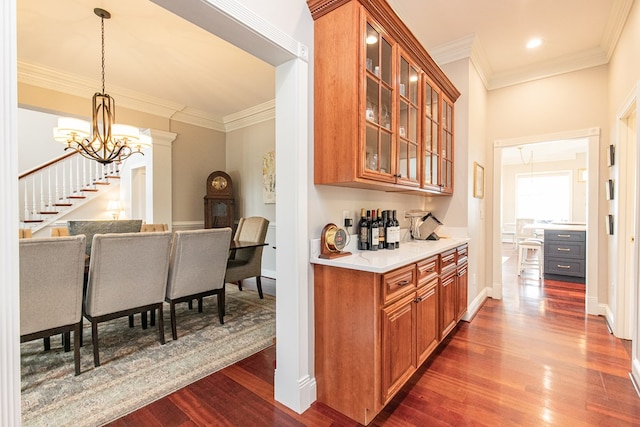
(364, 235)
(375, 237)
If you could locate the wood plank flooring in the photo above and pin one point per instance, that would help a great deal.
(531, 359)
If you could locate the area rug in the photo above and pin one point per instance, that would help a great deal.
(135, 369)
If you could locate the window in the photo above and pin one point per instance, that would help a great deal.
(544, 196)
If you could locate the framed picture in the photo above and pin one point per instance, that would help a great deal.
(609, 189)
(478, 181)
(611, 155)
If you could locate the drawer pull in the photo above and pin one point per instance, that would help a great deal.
(564, 266)
(403, 283)
(564, 235)
(419, 299)
(564, 249)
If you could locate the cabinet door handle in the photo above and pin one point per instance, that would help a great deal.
(418, 300)
(566, 236)
(564, 266)
(404, 282)
(564, 249)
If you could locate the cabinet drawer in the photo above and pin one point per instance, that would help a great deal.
(564, 236)
(398, 282)
(427, 270)
(565, 267)
(556, 250)
(462, 252)
(447, 260)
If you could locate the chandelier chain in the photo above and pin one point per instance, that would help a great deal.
(102, 28)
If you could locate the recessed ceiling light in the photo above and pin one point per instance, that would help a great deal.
(533, 43)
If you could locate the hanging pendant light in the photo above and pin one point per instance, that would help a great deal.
(105, 142)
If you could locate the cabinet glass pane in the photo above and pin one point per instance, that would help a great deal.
(404, 119)
(403, 163)
(413, 162)
(413, 124)
(404, 77)
(387, 59)
(413, 86)
(372, 108)
(385, 152)
(372, 156)
(385, 110)
(372, 39)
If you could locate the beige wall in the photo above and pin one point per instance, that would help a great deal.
(196, 153)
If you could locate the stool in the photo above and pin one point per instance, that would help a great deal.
(536, 260)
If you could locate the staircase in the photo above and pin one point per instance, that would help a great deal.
(55, 189)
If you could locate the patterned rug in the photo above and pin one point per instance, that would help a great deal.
(135, 369)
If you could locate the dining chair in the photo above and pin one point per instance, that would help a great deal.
(197, 268)
(24, 233)
(51, 281)
(59, 231)
(530, 248)
(127, 275)
(148, 228)
(247, 262)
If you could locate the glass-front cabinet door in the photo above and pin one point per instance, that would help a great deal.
(408, 131)
(378, 160)
(446, 146)
(431, 137)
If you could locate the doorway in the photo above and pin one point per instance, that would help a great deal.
(592, 137)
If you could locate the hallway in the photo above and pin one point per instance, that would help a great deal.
(532, 359)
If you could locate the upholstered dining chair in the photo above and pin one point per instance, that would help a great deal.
(247, 262)
(147, 228)
(51, 281)
(59, 231)
(24, 233)
(127, 275)
(197, 269)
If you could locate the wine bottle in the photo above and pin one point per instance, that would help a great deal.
(396, 230)
(373, 232)
(363, 241)
(390, 243)
(381, 230)
(385, 237)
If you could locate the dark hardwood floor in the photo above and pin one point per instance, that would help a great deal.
(532, 359)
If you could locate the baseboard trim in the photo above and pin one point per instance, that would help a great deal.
(476, 304)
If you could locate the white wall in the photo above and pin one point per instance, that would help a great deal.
(245, 148)
(36, 145)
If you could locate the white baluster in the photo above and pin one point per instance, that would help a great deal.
(33, 196)
(42, 206)
(26, 200)
(57, 198)
(50, 202)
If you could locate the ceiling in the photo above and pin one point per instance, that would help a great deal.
(157, 60)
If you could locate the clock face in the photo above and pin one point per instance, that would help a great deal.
(219, 183)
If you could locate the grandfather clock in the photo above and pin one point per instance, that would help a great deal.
(218, 203)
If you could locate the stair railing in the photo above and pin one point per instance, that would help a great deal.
(54, 187)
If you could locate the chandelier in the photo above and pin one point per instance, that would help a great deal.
(105, 141)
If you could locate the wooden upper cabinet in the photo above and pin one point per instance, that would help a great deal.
(371, 80)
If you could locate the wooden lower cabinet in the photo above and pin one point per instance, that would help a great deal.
(462, 286)
(373, 331)
(398, 345)
(448, 293)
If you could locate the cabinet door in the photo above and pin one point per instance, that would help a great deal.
(427, 332)
(447, 303)
(446, 148)
(431, 136)
(398, 353)
(378, 161)
(462, 282)
(408, 131)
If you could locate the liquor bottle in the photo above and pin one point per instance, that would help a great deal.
(381, 230)
(396, 230)
(388, 225)
(373, 232)
(363, 241)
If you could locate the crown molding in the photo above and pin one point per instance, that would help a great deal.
(72, 84)
(250, 116)
(615, 25)
(566, 64)
(468, 47)
(75, 85)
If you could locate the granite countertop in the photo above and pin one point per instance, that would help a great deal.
(569, 226)
(384, 260)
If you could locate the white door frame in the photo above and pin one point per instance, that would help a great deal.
(593, 223)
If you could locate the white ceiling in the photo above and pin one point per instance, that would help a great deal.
(156, 59)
